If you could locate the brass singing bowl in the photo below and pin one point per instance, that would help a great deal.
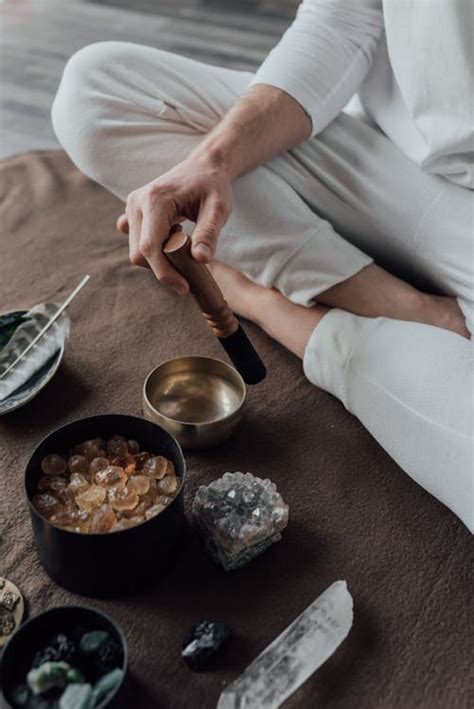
(199, 400)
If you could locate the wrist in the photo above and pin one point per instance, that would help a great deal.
(217, 153)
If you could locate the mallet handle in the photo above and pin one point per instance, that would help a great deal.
(214, 308)
(202, 285)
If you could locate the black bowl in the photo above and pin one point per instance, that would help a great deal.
(107, 565)
(20, 650)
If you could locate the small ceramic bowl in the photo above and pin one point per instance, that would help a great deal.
(199, 400)
(117, 563)
(20, 650)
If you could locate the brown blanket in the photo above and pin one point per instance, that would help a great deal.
(354, 514)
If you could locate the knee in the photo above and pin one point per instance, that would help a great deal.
(83, 102)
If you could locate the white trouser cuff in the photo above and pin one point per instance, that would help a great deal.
(329, 351)
(321, 262)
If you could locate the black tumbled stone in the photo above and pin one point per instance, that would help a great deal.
(59, 649)
(203, 642)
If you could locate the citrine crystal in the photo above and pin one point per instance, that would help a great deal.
(78, 483)
(78, 464)
(52, 483)
(53, 465)
(168, 485)
(97, 464)
(133, 446)
(111, 477)
(93, 497)
(46, 504)
(103, 519)
(156, 467)
(91, 449)
(104, 486)
(116, 446)
(123, 499)
(139, 484)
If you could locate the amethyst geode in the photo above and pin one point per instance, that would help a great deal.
(238, 516)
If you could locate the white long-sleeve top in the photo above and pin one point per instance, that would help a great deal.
(410, 61)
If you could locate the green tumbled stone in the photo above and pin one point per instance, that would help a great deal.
(91, 642)
(107, 684)
(77, 696)
(48, 675)
(20, 695)
(74, 676)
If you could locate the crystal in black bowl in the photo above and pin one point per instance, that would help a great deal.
(117, 563)
(33, 635)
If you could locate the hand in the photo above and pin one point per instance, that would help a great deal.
(196, 190)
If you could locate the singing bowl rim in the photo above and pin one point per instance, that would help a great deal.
(193, 424)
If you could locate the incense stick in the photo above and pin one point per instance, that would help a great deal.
(50, 322)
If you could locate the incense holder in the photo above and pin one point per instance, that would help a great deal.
(9, 323)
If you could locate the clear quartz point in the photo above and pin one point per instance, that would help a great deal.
(295, 654)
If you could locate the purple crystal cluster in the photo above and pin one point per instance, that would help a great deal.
(238, 516)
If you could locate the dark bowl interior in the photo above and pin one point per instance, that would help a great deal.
(105, 565)
(33, 634)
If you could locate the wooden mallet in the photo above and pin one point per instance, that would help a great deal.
(214, 308)
(212, 304)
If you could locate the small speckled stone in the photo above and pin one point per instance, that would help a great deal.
(7, 624)
(9, 600)
(12, 608)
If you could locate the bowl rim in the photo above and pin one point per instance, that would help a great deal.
(76, 606)
(193, 424)
(91, 535)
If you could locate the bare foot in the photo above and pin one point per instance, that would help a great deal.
(258, 303)
(373, 292)
(444, 312)
(268, 308)
(244, 297)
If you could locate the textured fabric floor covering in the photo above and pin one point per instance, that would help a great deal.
(353, 513)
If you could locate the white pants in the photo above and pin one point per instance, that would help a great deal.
(302, 223)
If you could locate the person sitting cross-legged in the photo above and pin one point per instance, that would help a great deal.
(347, 235)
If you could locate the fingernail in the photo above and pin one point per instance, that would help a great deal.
(203, 250)
(180, 290)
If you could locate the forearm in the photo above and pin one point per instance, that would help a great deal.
(263, 122)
